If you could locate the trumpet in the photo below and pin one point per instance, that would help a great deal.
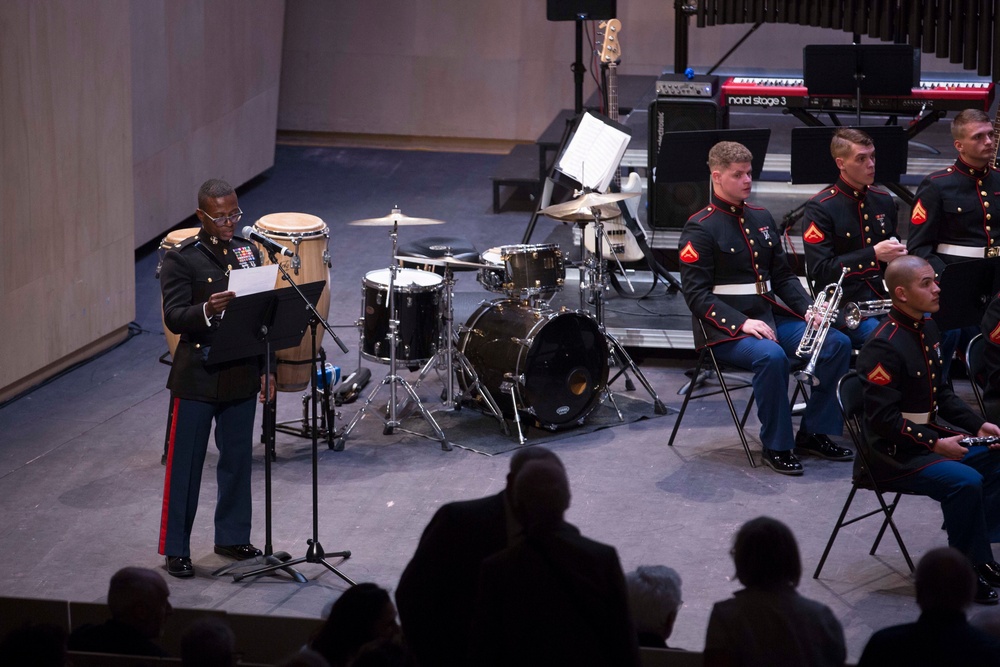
(855, 312)
(812, 338)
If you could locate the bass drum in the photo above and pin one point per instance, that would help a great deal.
(557, 360)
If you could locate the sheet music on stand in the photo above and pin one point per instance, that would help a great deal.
(594, 151)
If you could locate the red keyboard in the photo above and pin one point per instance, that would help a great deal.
(748, 91)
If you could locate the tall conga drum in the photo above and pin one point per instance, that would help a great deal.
(309, 238)
(169, 242)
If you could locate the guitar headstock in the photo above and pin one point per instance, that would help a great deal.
(611, 51)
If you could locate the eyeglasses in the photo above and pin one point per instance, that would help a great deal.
(232, 218)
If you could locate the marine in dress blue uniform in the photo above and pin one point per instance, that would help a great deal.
(913, 420)
(852, 225)
(952, 219)
(736, 279)
(194, 281)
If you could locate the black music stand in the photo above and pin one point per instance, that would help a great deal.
(966, 288)
(258, 324)
(683, 159)
(860, 69)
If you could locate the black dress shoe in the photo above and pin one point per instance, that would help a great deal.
(984, 592)
(990, 572)
(820, 445)
(179, 566)
(238, 551)
(783, 462)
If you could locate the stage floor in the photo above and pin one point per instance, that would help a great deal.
(81, 480)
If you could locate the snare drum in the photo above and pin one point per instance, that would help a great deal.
(556, 362)
(309, 238)
(169, 242)
(417, 296)
(524, 271)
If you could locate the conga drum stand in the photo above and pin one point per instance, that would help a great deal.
(391, 420)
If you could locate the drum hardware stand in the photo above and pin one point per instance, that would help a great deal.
(616, 349)
(327, 415)
(509, 384)
(315, 552)
(391, 420)
(453, 357)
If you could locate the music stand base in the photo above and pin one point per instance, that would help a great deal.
(314, 554)
(280, 560)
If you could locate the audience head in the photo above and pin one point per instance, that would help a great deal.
(541, 495)
(139, 597)
(910, 281)
(208, 642)
(38, 645)
(766, 554)
(654, 596)
(945, 581)
(524, 455)
(362, 614)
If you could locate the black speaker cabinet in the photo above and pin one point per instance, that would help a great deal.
(591, 10)
(671, 204)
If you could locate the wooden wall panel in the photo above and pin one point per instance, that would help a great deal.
(491, 69)
(205, 100)
(66, 207)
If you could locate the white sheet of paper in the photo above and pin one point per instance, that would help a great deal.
(593, 153)
(253, 280)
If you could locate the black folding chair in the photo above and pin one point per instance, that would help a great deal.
(849, 395)
(707, 366)
(975, 365)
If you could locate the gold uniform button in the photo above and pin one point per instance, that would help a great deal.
(709, 209)
(723, 320)
(747, 230)
(908, 429)
(983, 192)
(229, 267)
(713, 313)
(959, 209)
(848, 235)
(732, 326)
(209, 280)
(986, 204)
(732, 250)
(862, 205)
(751, 241)
(197, 346)
(868, 240)
(867, 228)
(918, 373)
(756, 254)
(919, 434)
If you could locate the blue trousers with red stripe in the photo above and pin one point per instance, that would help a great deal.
(191, 424)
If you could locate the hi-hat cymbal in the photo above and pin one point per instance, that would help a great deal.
(394, 218)
(447, 260)
(582, 207)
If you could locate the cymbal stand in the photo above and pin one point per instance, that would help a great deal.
(448, 356)
(391, 420)
(619, 356)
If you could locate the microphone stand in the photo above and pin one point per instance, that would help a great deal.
(315, 552)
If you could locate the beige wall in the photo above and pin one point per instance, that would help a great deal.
(66, 272)
(493, 69)
(205, 79)
(112, 113)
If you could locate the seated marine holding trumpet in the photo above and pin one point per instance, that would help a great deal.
(737, 281)
(851, 226)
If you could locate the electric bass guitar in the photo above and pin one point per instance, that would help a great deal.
(622, 244)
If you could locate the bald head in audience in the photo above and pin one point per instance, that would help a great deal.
(541, 494)
(139, 597)
(945, 581)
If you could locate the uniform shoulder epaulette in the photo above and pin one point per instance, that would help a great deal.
(187, 243)
(704, 213)
(753, 207)
(879, 191)
(947, 171)
(826, 193)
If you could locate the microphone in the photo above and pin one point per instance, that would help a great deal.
(250, 233)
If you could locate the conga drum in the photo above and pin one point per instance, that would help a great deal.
(309, 238)
(169, 242)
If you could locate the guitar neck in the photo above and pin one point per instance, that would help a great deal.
(612, 83)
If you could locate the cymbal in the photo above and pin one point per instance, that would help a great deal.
(581, 207)
(447, 260)
(394, 218)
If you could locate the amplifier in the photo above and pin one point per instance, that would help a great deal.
(679, 85)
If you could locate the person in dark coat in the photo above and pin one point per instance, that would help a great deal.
(194, 281)
(437, 590)
(914, 421)
(555, 597)
(768, 622)
(942, 635)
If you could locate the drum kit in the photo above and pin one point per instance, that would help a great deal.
(516, 355)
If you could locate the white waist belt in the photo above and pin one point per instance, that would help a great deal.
(743, 289)
(973, 252)
(918, 417)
